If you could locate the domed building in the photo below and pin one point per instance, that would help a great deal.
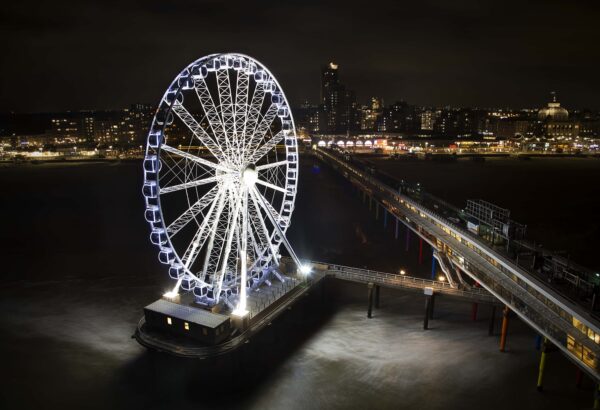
(555, 122)
(553, 112)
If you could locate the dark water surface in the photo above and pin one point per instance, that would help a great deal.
(77, 268)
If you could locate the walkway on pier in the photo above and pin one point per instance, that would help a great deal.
(398, 281)
(565, 324)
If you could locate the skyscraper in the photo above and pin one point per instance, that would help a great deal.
(338, 108)
(330, 98)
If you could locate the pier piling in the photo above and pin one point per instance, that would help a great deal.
(370, 308)
(504, 328)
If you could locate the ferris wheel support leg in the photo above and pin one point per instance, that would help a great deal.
(286, 243)
(241, 308)
(176, 288)
(264, 228)
(227, 250)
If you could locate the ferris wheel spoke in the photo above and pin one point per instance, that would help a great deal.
(226, 106)
(199, 132)
(269, 185)
(193, 211)
(194, 158)
(255, 226)
(253, 242)
(211, 256)
(241, 105)
(275, 221)
(261, 257)
(266, 205)
(253, 114)
(263, 126)
(212, 114)
(227, 249)
(191, 184)
(202, 234)
(262, 229)
(266, 147)
(271, 165)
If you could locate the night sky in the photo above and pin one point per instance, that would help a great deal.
(60, 54)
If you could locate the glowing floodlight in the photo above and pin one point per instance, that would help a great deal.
(305, 269)
(171, 295)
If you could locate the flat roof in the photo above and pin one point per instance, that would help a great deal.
(188, 313)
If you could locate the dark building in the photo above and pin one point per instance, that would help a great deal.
(180, 320)
(307, 118)
(400, 117)
(506, 128)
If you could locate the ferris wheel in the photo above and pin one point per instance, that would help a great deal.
(220, 178)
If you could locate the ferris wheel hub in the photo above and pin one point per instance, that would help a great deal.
(249, 175)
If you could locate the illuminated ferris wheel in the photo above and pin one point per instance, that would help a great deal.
(221, 171)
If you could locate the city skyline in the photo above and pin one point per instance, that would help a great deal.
(464, 54)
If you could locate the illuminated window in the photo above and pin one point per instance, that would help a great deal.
(169, 321)
(186, 325)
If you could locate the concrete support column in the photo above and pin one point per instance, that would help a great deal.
(492, 321)
(504, 328)
(428, 306)
(377, 287)
(431, 306)
(540, 380)
(370, 308)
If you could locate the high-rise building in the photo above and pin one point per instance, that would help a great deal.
(372, 115)
(65, 127)
(330, 97)
(338, 110)
(428, 119)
